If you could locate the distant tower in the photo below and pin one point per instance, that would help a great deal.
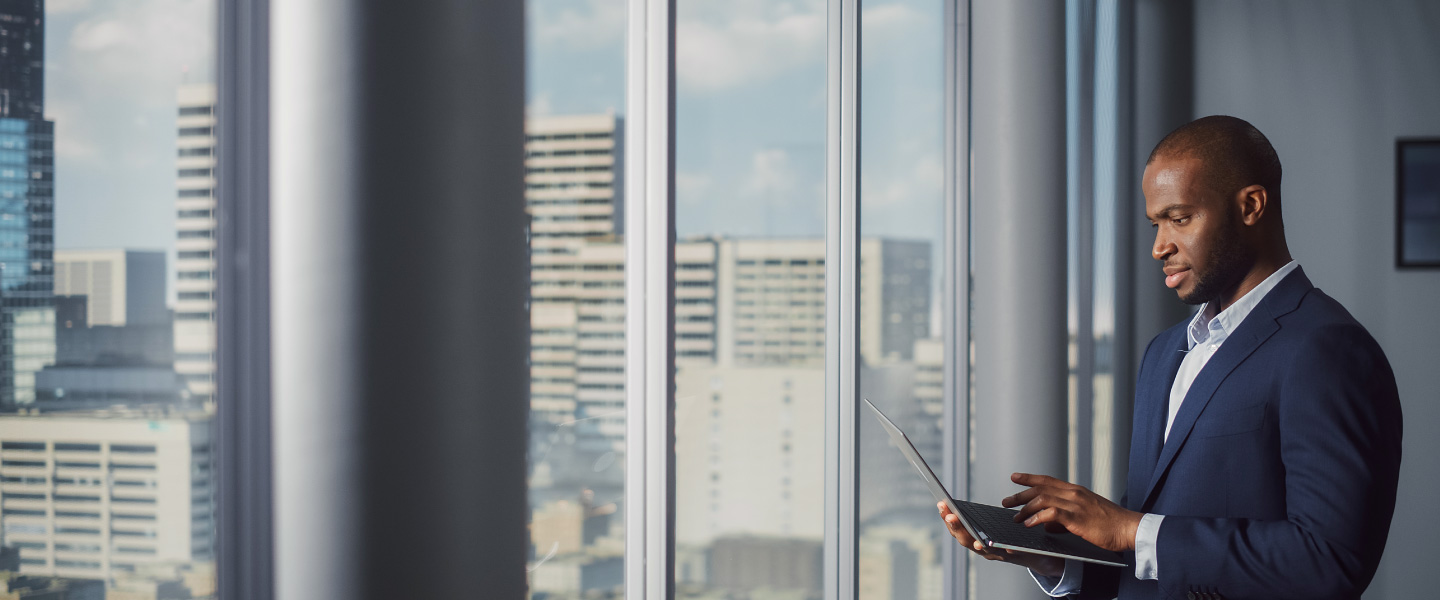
(195, 240)
(27, 203)
(22, 59)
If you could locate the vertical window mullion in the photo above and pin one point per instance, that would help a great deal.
(955, 317)
(649, 300)
(842, 260)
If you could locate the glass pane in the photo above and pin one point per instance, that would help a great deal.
(902, 354)
(107, 261)
(750, 299)
(574, 161)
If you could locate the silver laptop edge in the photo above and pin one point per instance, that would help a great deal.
(937, 490)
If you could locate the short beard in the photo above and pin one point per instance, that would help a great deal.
(1229, 261)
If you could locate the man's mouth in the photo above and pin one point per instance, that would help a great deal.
(1174, 276)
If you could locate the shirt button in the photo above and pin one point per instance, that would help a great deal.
(1190, 596)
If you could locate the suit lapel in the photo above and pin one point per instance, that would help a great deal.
(1253, 331)
(1152, 399)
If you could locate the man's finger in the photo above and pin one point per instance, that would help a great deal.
(1049, 514)
(1035, 505)
(1032, 480)
(958, 531)
(1022, 497)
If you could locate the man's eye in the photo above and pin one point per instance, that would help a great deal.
(1180, 220)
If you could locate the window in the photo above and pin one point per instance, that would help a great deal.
(746, 522)
(577, 354)
(901, 143)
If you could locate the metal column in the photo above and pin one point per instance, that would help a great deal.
(955, 314)
(243, 494)
(401, 276)
(1018, 133)
(842, 298)
(650, 301)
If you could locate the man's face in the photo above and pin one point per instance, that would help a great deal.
(1197, 230)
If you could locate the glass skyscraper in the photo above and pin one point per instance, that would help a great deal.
(27, 204)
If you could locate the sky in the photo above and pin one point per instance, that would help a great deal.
(750, 107)
(112, 68)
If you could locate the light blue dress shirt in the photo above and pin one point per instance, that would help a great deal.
(1207, 331)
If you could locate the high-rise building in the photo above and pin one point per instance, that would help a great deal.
(577, 274)
(22, 60)
(99, 495)
(771, 300)
(749, 451)
(572, 182)
(121, 287)
(195, 240)
(27, 204)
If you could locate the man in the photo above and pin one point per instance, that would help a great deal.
(1266, 444)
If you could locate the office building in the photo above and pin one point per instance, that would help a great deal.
(27, 204)
(572, 181)
(113, 335)
(195, 240)
(771, 300)
(749, 452)
(22, 60)
(103, 494)
(121, 287)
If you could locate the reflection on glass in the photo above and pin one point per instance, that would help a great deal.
(106, 352)
(574, 160)
(750, 300)
(902, 355)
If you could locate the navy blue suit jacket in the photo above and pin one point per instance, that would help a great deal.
(1278, 478)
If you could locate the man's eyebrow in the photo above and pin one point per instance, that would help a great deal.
(1165, 212)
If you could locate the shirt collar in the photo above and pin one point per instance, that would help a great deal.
(1205, 319)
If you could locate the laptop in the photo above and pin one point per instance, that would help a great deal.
(995, 526)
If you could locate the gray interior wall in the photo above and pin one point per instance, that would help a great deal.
(1333, 84)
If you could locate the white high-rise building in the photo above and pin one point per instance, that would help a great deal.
(572, 182)
(121, 287)
(195, 239)
(98, 495)
(771, 296)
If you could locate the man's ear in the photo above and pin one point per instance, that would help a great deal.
(1253, 201)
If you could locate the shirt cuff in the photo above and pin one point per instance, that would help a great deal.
(1068, 582)
(1147, 564)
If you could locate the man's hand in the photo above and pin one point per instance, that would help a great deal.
(1048, 566)
(1059, 504)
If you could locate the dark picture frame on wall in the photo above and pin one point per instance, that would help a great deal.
(1417, 203)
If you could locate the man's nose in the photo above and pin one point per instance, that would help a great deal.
(1162, 248)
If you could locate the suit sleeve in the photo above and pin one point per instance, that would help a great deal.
(1340, 425)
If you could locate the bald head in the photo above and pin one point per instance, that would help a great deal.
(1212, 191)
(1234, 154)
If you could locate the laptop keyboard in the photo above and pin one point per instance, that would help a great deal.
(999, 524)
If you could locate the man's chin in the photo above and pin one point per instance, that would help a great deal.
(1191, 297)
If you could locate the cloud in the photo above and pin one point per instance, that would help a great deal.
(894, 22)
(54, 7)
(132, 47)
(539, 105)
(920, 180)
(772, 175)
(691, 188)
(583, 24)
(748, 43)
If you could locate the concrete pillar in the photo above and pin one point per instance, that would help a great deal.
(1018, 149)
(400, 283)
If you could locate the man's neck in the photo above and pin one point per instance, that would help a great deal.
(1263, 268)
